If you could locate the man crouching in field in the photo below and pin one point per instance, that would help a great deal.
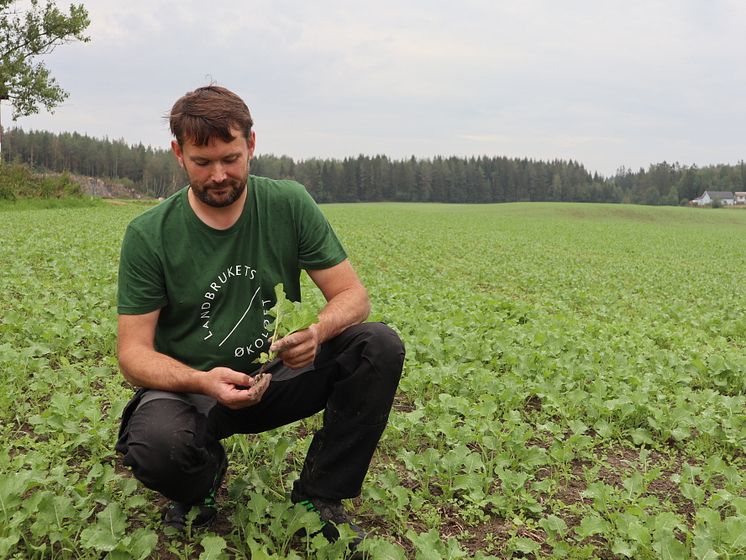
(196, 279)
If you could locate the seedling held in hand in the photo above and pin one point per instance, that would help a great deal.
(290, 316)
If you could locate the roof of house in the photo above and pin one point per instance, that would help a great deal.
(719, 194)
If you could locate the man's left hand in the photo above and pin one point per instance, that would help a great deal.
(298, 349)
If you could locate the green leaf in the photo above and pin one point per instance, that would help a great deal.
(642, 437)
(257, 507)
(524, 545)
(623, 548)
(7, 544)
(382, 550)
(667, 522)
(633, 484)
(739, 504)
(301, 518)
(258, 550)
(214, 548)
(119, 555)
(280, 451)
(553, 525)
(142, 543)
(680, 434)
(669, 548)
(108, 530)
(591, 525)
(693, 492)
(735, 528)
(290, 316)
(428, 545)
(51, 513)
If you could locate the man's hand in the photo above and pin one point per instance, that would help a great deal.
(299, 348)
(235, 389)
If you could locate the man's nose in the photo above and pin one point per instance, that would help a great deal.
(218, 173)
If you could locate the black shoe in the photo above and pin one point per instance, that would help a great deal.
(331, 513)
(176, 513)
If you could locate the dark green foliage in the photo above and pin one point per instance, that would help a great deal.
(154, 172)
(29, 32)
(668, 184)
(18, 182)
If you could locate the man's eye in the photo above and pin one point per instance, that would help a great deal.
(230, 159)
(201, 163)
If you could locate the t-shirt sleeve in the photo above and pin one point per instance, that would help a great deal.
(319, 246)
(141, 286)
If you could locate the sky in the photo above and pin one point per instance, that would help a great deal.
(606, 83)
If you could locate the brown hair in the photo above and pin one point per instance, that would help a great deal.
(209, 112)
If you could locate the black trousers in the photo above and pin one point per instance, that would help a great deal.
(171, 441)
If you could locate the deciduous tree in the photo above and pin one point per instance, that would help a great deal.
(28, 31)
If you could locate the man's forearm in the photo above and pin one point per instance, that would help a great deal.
(347, 305)
(144, 367)
(151, 369)
(345, 309)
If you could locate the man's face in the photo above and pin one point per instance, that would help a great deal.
(217, 172)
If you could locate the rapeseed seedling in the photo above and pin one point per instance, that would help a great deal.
(574, 388)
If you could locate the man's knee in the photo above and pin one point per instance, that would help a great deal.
(374, 357)
(166, 449)
(384, 349)
(384, 337)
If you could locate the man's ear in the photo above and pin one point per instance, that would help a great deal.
(252, 144)
(176, 149)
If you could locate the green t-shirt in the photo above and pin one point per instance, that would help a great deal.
(214, 287)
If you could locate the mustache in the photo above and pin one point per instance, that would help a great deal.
(225, 184)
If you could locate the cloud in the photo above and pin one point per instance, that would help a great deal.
(483, 138)
(605, 83)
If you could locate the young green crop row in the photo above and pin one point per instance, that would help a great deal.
(574, 388)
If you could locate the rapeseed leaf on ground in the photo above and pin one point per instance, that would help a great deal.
(108, 530)
(553, 351)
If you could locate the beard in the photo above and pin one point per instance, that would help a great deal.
(206, 194)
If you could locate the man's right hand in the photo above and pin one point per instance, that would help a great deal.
(235, 389)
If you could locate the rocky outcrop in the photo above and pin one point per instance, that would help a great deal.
(93, 186)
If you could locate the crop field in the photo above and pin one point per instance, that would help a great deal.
(574, 388)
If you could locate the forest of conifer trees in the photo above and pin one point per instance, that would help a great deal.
(479, 179)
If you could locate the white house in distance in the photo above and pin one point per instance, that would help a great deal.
(726, 198)
(741, 198)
